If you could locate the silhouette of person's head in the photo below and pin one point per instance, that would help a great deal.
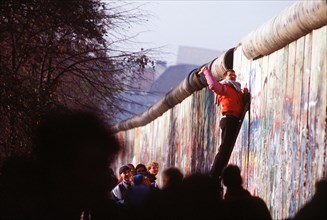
(315, 208)
(200, 197)
(321, 188)
(73, 150)
(239, 203)
(231, 176)
(172, 177)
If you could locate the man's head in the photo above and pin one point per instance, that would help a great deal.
(231, 176)
(229, 74)
(141, 169)
(172, 177)
(153, 168)
(125, 173)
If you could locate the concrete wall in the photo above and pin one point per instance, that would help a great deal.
(282, 146)
(287, 146)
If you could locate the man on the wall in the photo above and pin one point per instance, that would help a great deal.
(231, 97)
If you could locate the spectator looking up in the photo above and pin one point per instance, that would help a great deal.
(120, 191)
(153, 169)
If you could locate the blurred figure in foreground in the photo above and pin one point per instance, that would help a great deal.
(316, 208)
(169, 198)
(69, 166)
(137, 194)
(200, 198)
(172, 178)
(238, 202)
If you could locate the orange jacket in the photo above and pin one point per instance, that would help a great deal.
(230, 99)
(231, 102)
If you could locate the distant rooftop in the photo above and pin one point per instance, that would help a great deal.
(196, 56)
(170, 78)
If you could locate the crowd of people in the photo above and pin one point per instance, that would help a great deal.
(195, 196)
(68, 176)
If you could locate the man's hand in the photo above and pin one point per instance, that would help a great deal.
(245, 89)
(202, 70)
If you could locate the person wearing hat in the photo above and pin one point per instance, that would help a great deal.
(119, 192)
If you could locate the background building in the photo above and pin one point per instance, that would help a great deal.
(155, 84)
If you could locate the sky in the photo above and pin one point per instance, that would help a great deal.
(216, 24)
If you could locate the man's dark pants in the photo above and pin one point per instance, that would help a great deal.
(229, 127)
